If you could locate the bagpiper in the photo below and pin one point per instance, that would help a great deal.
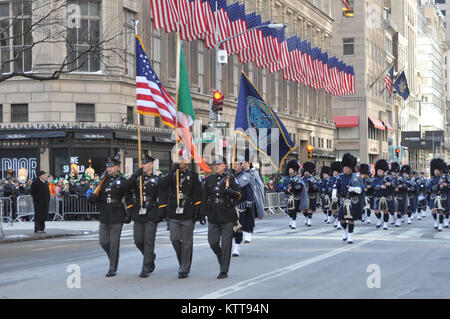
(325, 195)
(438, 189)
(447, 181)
(350, 187)
(368, 190)
(383, 187)
(309, 178)
(422, 198)
(295, 189)
(402, 193)
(396, 216)
(412, 192)
(336, 170)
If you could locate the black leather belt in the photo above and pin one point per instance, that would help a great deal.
(219, 201)
(112, 201)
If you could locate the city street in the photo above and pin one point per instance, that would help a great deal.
(412, 262)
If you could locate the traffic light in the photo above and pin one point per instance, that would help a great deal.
(397, 152)
(309, 148)
(217, 101)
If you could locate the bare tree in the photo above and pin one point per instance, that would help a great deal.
(43, 39)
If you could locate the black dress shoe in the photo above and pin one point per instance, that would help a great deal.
(110, 273)
(182, 275)
(144, 274)
(222, 275)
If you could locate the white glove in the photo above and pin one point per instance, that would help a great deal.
(356, 190)
(334, 195)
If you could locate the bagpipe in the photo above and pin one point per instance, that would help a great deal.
(441, 194)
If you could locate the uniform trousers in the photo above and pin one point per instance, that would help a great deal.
(144, 238)
(182, 238)
(220, 238)
(109, 236)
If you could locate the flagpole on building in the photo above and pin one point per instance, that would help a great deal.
(136, 22)
(384, 71)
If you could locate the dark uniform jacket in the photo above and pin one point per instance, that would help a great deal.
(190, 198)
(150, 199)
(217, 203)
(41, 198)
(112, 210)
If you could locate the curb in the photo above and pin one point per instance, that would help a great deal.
(14, 240)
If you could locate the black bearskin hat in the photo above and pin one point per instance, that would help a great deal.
(395, 167)
(336, 166)
(437, 163)
(364, 169)
(348, 160)
(406, 169)
(325, 170)
(381, 164)
(292, 164)
(309, 167)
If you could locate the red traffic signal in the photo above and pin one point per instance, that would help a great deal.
(397, 152)
(217, 101)
(309, 148)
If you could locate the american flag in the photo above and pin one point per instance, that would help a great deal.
(151, 97)
(165, 14)
(223, 23)
(255, 37)
(197, 25)
(346, 4)
(388, 81)
(236, 16)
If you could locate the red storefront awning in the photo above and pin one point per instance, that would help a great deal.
(388, 126)
(346, 121)
(377, 123)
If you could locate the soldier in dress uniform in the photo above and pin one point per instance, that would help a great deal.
(437, 188)
(325, 195)
(350, 187)
(309, 178)
(336, 169)
(146, 216)
(368, 203)
(184, 193)
(221, 195)
(113, 213)
(295, 189)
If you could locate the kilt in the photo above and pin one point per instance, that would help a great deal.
(390, 203)
(356, 210)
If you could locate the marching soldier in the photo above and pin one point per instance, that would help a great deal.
(351, 190)
(336, 169)
(221, 194)
(309, 179)
(295, 190)
(383, 187)
(438, 191)
(368, 190)
(325, 195)
(112, 211)
(184, 192)
(147, 216)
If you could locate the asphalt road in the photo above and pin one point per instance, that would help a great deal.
(412, 261)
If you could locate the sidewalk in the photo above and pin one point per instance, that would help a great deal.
(25, 231)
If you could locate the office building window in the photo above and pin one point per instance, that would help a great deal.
(130, 115)
(83, 44)
(85, 113)
(348, 46)
(129, 43)
(19, 113)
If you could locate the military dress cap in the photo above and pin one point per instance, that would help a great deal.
(406, 169)
(110, 162)
(381, 164)
(364, 169)
(348, 160)
(336, 167)
(395, 167)
(309, 167)
(147, 159)
(325, 170)
(437, 163)
(41, 173)
(218, 159)
(415, 172)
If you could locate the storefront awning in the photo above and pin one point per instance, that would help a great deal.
(388, 126)
(377, 123)
(346, 121)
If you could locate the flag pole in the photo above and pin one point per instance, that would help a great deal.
(176, 111)
(136, 22)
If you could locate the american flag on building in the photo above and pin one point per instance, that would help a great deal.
(388, 81)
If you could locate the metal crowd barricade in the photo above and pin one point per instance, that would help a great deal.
(55, 207)
(275, 203)
(79, 205)
(1, 219)
(7, 209)
(282, 202)
(25, 207)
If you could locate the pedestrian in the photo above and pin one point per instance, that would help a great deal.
(41, 199)
(221, 194)
(147, 215)
(113, 213)
(184, 196)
